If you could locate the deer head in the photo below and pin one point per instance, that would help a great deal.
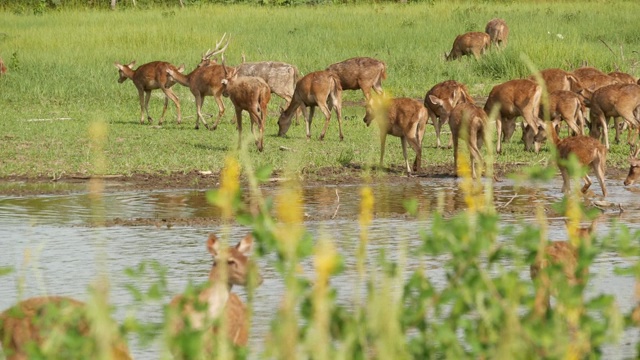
(206, 57)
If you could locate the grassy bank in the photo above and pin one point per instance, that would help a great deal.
(61, 76)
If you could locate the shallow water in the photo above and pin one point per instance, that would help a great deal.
(50, 242)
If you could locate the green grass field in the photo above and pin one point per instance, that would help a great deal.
(60, 65)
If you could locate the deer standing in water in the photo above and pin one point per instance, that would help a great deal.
(215, 302)
(468, 123)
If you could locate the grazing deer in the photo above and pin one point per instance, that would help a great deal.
(148, 77)
(319, 88)
(622, 77)
(248, 93)
(440, 101)
(634, 171)
(617, 100)
(361, 73)
(592, 78)
(33, 326)
(471, 43)
(402, 117)
(589, 152)
(204, 80)
(568, 106)
(281, 77)
(558, 79)
(565, 255)
(205, 309)
(519, 97)
(498, 32)
(468, 123)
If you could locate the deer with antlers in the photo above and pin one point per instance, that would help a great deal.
(249, 93)
(205, 80)
(149, 77)
(321, 89)
(36, 326)
(204, 311)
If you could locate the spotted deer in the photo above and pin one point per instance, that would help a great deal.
(471, 43)
(440, 101)
(468, 123)
(205, 310)
(363, 73)
(498, 32)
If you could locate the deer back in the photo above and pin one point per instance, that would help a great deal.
(515, 97)
(468, 115)
(281, 77)
(352, 72)
(623, 77)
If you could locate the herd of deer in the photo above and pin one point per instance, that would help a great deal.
(249, 86)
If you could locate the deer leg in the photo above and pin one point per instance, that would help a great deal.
(199, 118)
(476, 156)
(383, 141)
(142, 108)
(220, 112)
(587, 183)
(327, 115)
(168, 93)
(605, 130)
(239, 125)
(566, 186)
(338, 108)
(403, 141)
(499, 130)
(414, 143)
(256, 120)
(598, 168)
(147, 96)
(312, 109)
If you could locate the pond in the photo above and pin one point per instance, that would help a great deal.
(49, 241)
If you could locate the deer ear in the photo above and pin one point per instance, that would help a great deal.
(213, 244)
(245, 245)
(131, 64)
(117, 65)
(181, 68)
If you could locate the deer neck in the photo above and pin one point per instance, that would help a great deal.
(217, 293)
(181, 78)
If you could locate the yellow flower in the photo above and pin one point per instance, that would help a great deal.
(366, 206)
(290, 215)
(229, 185)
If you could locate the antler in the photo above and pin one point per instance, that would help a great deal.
(217, 50)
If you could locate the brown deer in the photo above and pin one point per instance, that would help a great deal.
(565, 255)
(3, 67)
(617, 100)
(589, 152)
(281, 77)
(402, 117)
(440, 101)
(498, 31)
(568, 106)
(622, 77)
(360, 73)
(519, 97)
(468, 123)
(558, 79)
(249, 93)
(204, 311)
(149, 77)
(592, 78)
(471, 43)
(319, 88)
(634, 171)
(34, 326)
(204, 80)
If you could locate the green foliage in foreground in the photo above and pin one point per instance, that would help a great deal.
(61, 66)
(484, 308)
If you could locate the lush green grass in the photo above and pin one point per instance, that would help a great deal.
(61, 65)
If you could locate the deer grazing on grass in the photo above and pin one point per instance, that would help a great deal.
(402, 117)
(471, 43)
(592, 79)
(622, 77)
(519, 97)
(440, 101)
(249, 93)
(149, 77)
(468, 123)
(563, 254)
(617, 100)
(204, 311)
(568, 106)
(360, 73)
(204, 80)
(319, 88)
(281, 77)
(558, 79)
(498, 32)
(34, 327)
(589, 152)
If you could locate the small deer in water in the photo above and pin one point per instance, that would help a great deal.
(204, 311)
